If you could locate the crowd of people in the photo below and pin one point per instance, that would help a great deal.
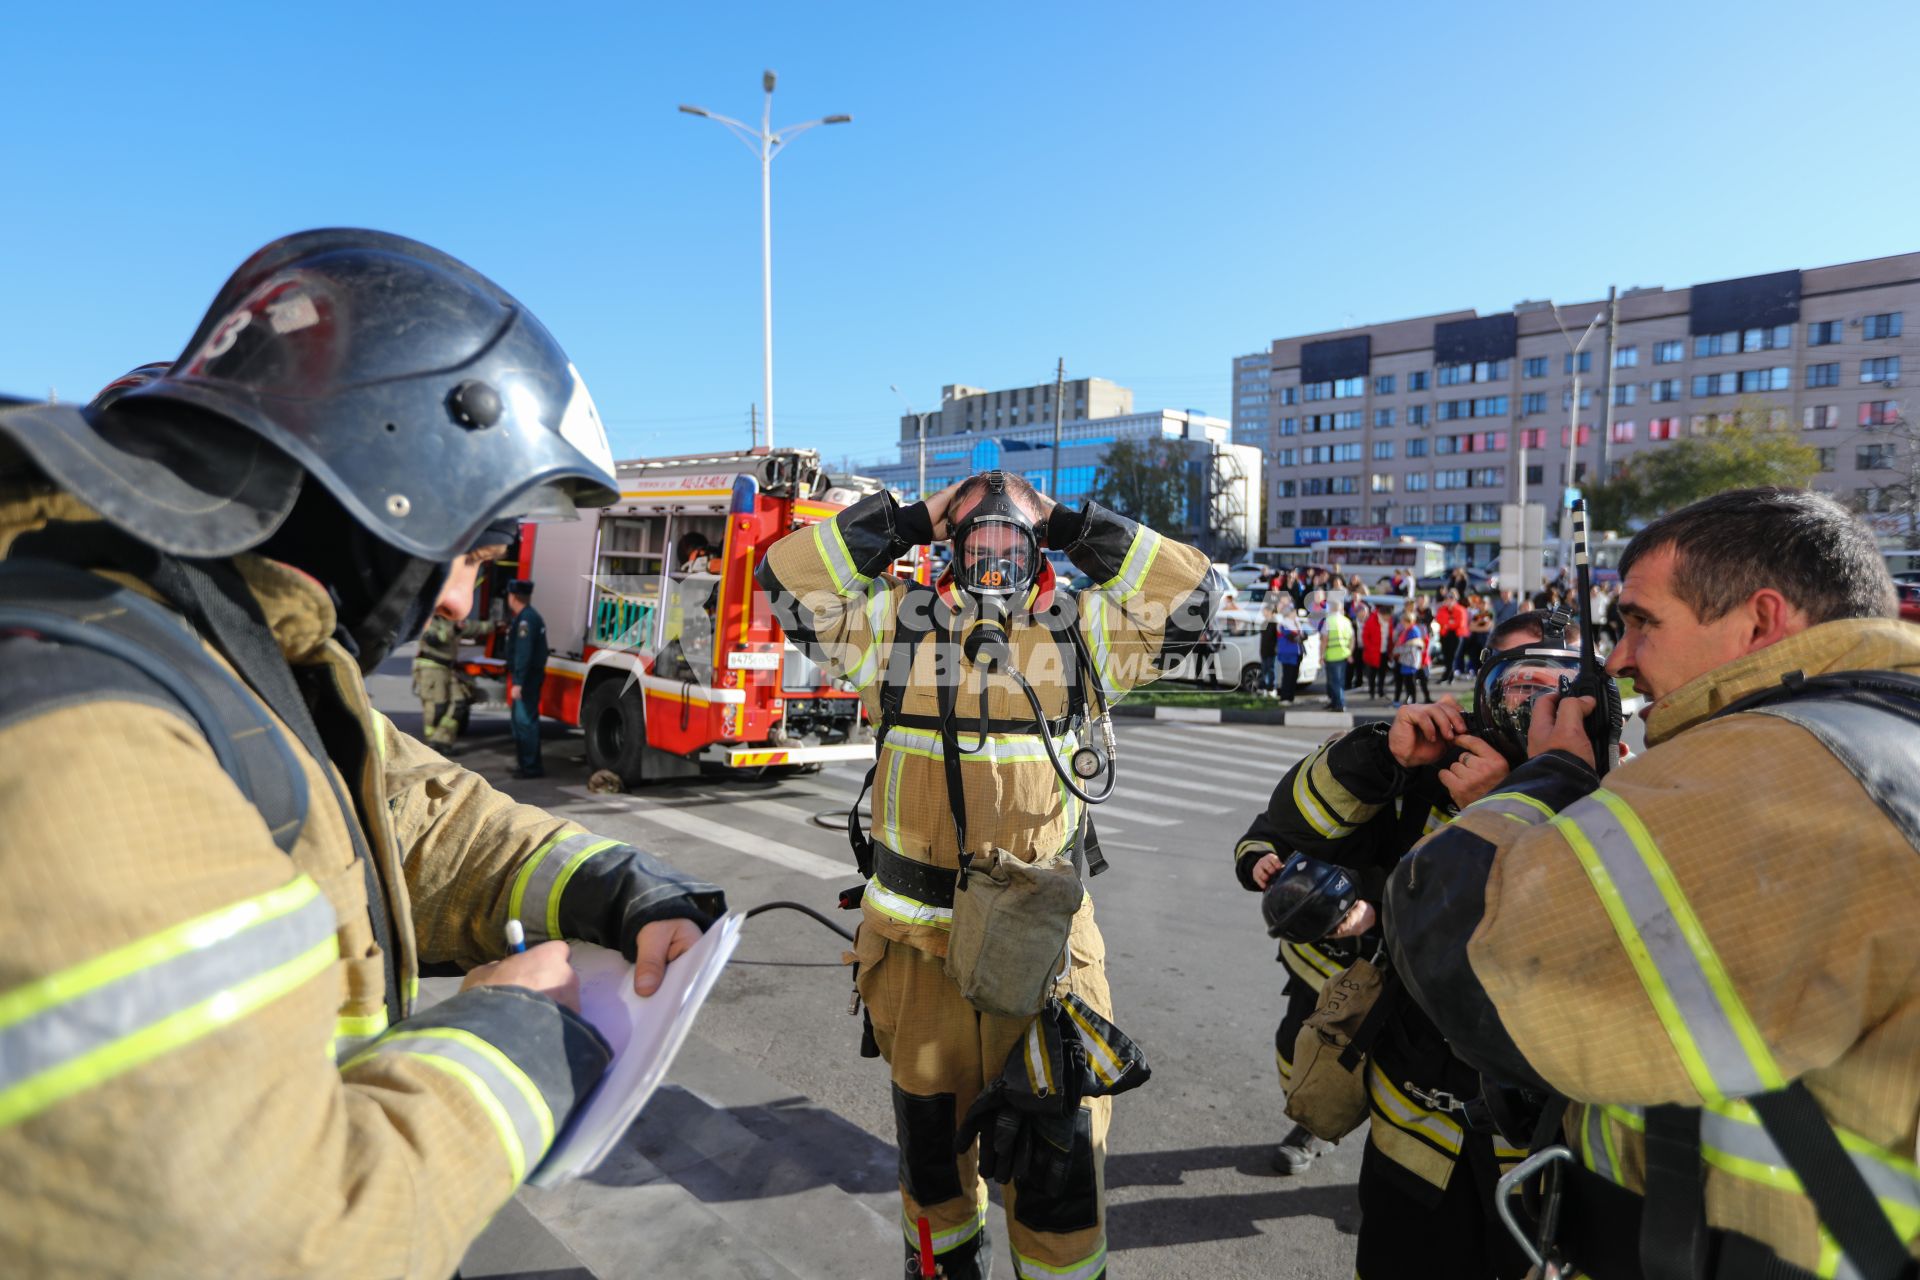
(1395, 648)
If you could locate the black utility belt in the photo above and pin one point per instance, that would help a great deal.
(921, 881)
(971, 725)
(1600, 1234)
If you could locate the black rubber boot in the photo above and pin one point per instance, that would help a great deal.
(970, 1261)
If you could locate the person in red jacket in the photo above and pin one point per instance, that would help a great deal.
(1375, 634)
(1452, 617)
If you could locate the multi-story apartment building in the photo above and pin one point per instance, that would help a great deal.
(1252, 395)
(975, 430)
(1424, 427)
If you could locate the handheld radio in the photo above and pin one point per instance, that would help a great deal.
(1605, 721)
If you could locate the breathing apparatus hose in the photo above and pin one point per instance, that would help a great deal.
(986, 646)
(803, 910)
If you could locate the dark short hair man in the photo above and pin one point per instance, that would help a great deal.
(1716, 955)
(526, 663)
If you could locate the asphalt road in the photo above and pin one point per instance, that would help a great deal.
(1190, 1191)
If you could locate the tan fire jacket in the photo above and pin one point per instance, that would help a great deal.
(1144, 609)
(197, 1075)
(1730, 912)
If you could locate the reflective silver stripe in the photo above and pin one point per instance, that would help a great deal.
(1511, 804)
(1735, 1130)
(999, 748)
(1704, 1018)
(80, 1027)
(1141, 553)
(835, 556)
(534, 887)
(1598, 1158)
(1085, 1269)
(897, 906)
(950, 1239)
(513, 1102)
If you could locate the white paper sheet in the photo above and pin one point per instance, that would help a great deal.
(645, 1035)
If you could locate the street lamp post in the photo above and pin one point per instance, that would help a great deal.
(766, 143)
(920, 433)
(1573, 432)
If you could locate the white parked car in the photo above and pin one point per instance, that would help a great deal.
(1236, 662)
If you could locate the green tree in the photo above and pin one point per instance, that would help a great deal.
(1753, 445)
(1145, 480)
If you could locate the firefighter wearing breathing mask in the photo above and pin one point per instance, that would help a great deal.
(1335, 828)
(978, 686)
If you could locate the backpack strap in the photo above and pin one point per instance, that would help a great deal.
(78, 637)
(913, 622)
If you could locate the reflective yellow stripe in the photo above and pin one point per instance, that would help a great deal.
(1100, 1054)
(897, 906)
(999, 748)
(1706, 1021)
(496, 1113)
(1085, 1269)
(1134, 566)
(953, 1237)
(560, 882)
(70, 1031)
(1512, 804)
(1407, 1115)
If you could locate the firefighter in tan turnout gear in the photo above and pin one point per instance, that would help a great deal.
(1714, 953)
(962, 774)
(223, 869)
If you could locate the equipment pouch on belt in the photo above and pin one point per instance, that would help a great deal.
(1010, 926)
(1328, 1093)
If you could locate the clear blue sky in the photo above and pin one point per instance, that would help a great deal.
(1146, 190)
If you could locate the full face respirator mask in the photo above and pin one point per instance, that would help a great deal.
(996, 553)
(1512, 680)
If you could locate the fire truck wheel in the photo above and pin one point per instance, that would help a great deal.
(616, 730)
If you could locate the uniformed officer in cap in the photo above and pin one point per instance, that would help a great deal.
(526, 670)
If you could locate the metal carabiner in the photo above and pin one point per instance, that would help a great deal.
(1510, 1183)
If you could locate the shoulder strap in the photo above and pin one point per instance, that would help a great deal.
(1849, 712)
(1846, 1204)
(94, 639)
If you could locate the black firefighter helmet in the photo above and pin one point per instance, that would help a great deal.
(1307, 898)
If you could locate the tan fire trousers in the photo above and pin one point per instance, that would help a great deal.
(942, 1053)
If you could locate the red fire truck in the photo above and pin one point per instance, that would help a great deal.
(666, 660)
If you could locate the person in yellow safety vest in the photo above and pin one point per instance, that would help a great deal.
(224, 870)
(1146, 608)
(1336, 647)
(1714, 954)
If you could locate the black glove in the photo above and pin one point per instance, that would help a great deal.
(1029, 1119)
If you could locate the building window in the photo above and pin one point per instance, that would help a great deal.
(1417, 380)
(1383, 385)
(1288, 395)
(1626, 357)
(1489, 478)
(1536, 473)
(1874, 457)
(1823, 375)
(1622, 432)
(1663, 429)
(1823, 333)
(1586, 429)
(1493, 442)
(1778, 378)
(1379, 483)
(1416, 448)
(1382, 449)
(1663, 390)
(1453, 375)
(1886, 369)
(1533, 402)
(1383, 417)
(1346, 387)
(1285, 488)
(1534, 367)
(1316, 391)
(1873, 501)
(1416, 415)
(1533, 438)
(1880, 413)
(1347, 421)
(1289, 426)
(1715, 384)
(1586, 362)
(1284, 457)
(1829, 458)
(1884, 325)
(1286, 519)
(1416, 513)
(1449, 512)
(1450, 479)
(1586, 398)
(1486, 512)
(1625, 394)
(1669, 352)
(1777, 338)
(1821, 417)
(1416, 482)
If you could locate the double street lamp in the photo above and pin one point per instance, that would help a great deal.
(765, 142)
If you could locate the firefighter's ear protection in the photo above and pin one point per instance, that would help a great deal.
(995, 549)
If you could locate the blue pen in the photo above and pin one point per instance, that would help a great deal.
(516, 938)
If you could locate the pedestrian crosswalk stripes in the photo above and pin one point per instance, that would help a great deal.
(736, 839)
